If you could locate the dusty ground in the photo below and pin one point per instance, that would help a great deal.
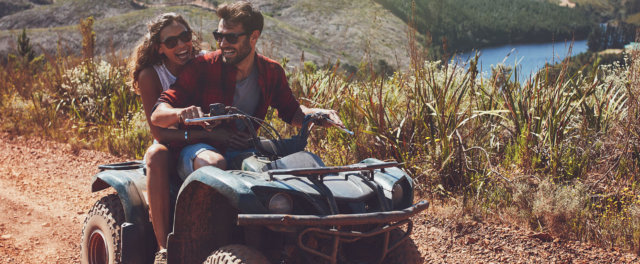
(45, 192)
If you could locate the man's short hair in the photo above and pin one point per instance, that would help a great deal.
(244, 13)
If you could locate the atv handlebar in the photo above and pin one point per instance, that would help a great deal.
(315, 118)
(200, 120)
(272, 148)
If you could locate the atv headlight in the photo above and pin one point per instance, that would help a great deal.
(396, 194)
(280, 203)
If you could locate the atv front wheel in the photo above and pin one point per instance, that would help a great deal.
(407, 252)
(101, 232)
(236, 254)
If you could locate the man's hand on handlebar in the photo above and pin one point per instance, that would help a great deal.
(331, 118)
(192, 112)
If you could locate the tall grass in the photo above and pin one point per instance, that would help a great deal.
(84, 101)
(559, 153)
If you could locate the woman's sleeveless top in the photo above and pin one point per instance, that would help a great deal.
(166, 78)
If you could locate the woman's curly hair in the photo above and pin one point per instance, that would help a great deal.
(146, 52)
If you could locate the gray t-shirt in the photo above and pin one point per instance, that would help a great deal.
(247, 95)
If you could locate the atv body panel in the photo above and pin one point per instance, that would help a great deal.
(217, 208)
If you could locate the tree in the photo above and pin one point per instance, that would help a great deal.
(25, 50)
(595, 39)
(383, 68)
(632, 7)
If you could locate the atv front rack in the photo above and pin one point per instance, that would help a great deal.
(320, 172)
(332, 220)
(337, 237)
(314, 228)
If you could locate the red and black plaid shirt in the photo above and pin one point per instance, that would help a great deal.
(207, 80)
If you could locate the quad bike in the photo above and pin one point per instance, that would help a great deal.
(281, 205)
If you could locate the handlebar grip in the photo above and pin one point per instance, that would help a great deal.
(216, 109)
(318, 116)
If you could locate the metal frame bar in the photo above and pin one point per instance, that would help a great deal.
(318, 172)
(352, 236)
(332, 220)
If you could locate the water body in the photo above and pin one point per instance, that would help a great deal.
(529, 58)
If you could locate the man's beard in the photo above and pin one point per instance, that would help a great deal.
(243, 51)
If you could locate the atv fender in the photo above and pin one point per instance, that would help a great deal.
(138, 241)
(390, 176)
(230, 185)
(125, 182)
(206, 213)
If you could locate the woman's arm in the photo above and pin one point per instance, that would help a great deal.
(150, 89)
(165, 116)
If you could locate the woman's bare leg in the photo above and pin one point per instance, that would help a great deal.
(158, 160)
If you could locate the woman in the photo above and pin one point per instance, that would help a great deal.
(156, 62)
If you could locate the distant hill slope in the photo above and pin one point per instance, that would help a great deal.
(467, 24)
(64, 13)
(627, 10)
(8, 7)
(350, 31)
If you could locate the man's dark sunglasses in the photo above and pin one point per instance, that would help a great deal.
(171, 42)
(230, 37)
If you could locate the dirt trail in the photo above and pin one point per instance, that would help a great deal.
(45, 193)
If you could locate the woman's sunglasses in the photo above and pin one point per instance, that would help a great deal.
(171, 42)
(232, 38)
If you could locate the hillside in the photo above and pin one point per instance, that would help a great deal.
(606, 10)
(468, 24)
(324, 30)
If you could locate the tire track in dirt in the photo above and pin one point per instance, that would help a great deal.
(44, 195)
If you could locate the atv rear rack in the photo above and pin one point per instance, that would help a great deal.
(322, 171)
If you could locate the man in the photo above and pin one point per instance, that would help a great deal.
(234, 75)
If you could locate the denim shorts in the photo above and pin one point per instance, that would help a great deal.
(189, 153)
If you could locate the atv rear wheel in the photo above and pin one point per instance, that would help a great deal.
(407, 252)
(236, 254)
(101, 232)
